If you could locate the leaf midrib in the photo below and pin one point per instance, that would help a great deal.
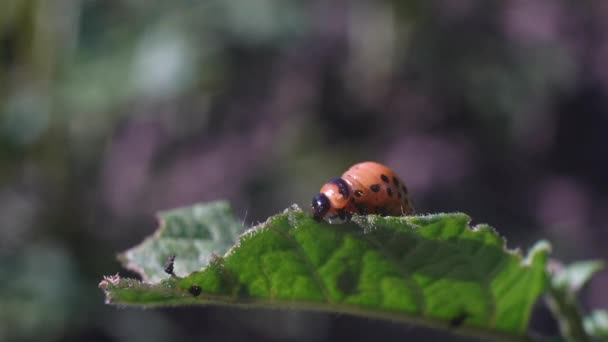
(309, 264)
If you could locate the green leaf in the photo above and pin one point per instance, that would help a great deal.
(192, 234)
(433, 270)
(596, 324)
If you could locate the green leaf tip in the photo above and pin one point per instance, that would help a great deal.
(433, 270)
(540, 250)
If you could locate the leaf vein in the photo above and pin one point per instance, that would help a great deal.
(417, 291)
(311, 267)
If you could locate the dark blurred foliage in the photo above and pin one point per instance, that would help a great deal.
(112, 110)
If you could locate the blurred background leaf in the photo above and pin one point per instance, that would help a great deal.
(562, 300)
(113, 110)
(596, 324)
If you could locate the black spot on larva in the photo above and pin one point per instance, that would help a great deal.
(384, 178)
(382, 211)
(375, 187)
(396, 181)
(362, 208)
(342, 186)
(389, 191)
(399, 194)
(358, 193)
(404, 189)
(195, 290)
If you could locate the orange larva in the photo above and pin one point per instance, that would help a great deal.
(365, 188)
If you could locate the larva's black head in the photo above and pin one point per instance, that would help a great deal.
(320, 206)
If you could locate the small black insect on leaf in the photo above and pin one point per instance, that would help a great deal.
(169, 265)
(459, 319)
(195, 290)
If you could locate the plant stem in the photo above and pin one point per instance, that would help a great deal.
(566, 311)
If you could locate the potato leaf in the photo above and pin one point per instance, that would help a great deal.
(433, 270)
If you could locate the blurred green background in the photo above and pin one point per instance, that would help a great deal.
(113, 110)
